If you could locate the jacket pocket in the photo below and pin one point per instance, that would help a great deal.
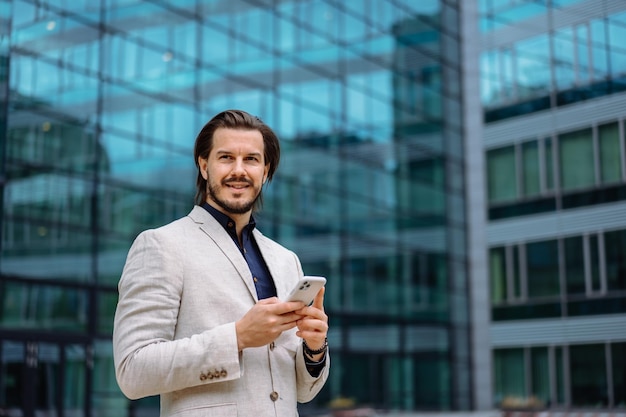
(217, 410)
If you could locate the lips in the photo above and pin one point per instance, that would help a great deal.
(238, 184)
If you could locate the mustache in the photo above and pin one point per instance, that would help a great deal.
(238, 180)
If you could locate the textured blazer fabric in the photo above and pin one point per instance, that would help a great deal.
(183, 287)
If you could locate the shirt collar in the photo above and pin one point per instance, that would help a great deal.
(226, 222)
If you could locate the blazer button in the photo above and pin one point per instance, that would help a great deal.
(274, 396)
(272, 346)
(217, 374)
(223, 373)
(202, 377)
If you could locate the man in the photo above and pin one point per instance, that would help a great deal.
(200, 318)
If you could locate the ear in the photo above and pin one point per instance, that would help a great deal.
(265, 172)
(203, 164)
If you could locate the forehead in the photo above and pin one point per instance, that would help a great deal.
(237, 140)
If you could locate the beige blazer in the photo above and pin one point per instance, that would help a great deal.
(183, 287)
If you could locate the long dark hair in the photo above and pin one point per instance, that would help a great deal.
(234, 119)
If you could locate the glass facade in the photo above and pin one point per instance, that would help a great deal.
(552, 85)
(100, 102)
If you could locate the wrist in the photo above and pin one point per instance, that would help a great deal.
(314, 352)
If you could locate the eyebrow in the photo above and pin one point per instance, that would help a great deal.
(223, 151)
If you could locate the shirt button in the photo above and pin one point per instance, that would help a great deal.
(272, 346)
(230, 224)
(255, 279)
(274, 396)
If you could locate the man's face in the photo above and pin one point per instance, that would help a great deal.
(235, 170)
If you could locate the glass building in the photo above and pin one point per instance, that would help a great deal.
(376, 105)
(553, 78)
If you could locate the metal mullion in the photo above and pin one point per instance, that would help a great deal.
(590, 68)
(519, 170)
(587, 263)
(567, 397)
(509, 265)
(602, 263)
(622, 148)
(609, 374)
(556, 169)
(527, 370)
(541, 154)
(523, 279)
(552, 373)
(595, 142)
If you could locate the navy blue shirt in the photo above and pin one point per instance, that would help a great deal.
(250, 250)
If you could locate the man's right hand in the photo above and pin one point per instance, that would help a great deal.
(264, 322)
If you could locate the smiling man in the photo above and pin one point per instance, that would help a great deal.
(200, 320)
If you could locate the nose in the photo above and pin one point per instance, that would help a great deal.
(239, 168)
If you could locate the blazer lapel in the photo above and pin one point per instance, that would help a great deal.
(224, 242)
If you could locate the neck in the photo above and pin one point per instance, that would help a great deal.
(241, 219)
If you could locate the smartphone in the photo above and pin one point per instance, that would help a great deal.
(306, 289)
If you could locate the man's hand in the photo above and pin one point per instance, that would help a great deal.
(264, 322)
(313, 326)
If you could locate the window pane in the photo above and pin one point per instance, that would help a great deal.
(75, 380)
(582, 39)
(42, 306)
(600, 60)
(563, 58)
(509, 376)
(516, 291)
(107, 399)
(533, 67)
(618, 357)
(497, 269)
(594, 260)
(542, 263)
(588, 375)
(530, 161)
(502, 181)
(617, 34)
(574, 265)
(576, 158)
(560, 380)
(549, 163)
(540, 374)
(615, 252)
(610, 165)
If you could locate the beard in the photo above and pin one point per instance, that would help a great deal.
(236, 207)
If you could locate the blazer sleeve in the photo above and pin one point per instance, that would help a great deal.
(309, 386)
(148, 361)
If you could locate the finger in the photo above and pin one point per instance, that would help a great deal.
(271, 300)
(313, 312)
(318, 302)
(312, 325)
(288, 307)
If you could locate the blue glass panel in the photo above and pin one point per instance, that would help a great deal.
(47, 307)
(617, 34)
(582, 54)
(564, 56)
(599, 50)
(533, 67)
(22, 13)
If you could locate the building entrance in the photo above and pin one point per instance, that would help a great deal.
(42, 379)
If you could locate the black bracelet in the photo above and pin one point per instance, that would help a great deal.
(312, 352)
